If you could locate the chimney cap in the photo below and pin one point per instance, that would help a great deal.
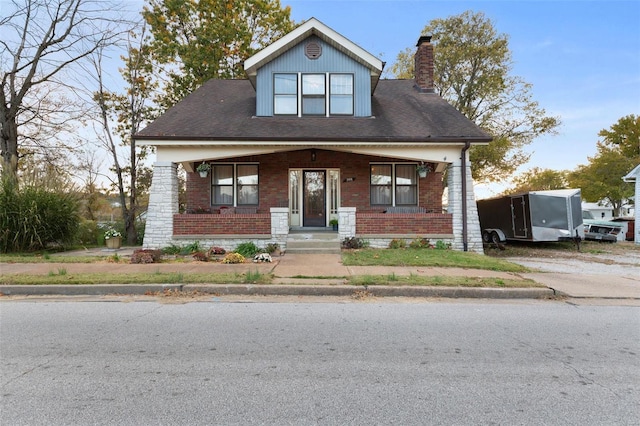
(424, 39)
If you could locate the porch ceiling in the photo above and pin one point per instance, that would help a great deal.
(188, 154)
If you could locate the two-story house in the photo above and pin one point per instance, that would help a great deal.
(314, 134)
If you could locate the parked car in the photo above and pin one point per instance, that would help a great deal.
(600, 230)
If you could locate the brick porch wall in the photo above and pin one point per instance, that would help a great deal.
(216, 224)
(420, 224)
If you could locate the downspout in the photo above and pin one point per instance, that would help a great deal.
(463, 174)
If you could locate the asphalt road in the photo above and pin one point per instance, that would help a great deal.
(352, 362)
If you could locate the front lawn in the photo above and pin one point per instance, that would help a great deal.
(427, 257)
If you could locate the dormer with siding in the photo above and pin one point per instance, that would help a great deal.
(313, 71)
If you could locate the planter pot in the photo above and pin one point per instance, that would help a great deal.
(203, 174)
(422, 173)
(335, 227)
(114, 242)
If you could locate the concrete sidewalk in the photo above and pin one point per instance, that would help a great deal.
(320, 274)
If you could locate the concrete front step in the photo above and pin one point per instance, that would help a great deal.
(313, 243)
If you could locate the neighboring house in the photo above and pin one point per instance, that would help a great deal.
(602, 211)
(634, 176)
(312, 135)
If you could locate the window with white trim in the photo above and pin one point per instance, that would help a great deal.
(234, 185)
(285, 94)
(393, 185)
(341, 94)
(313, 94)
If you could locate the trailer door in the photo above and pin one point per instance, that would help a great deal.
(518, 217)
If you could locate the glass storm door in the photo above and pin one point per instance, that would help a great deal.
(314, 198)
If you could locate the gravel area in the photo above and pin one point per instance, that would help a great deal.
(619, 259)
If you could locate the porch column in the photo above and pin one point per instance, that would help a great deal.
(454, 183)
(163, 204)
(346, 222)
(280, 226)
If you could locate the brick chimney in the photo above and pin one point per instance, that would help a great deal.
(424, 65)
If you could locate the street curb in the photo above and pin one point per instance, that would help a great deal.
(280, 290)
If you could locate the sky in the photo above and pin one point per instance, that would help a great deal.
(582, 58)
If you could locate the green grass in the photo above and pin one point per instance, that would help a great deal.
(444, 281)
(63, 277)
(48, 258)
(427, 257)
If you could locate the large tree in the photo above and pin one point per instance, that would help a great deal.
(625, 134)
(601, 179)
(121, 116)
(539, 179)
(617, 155)
(198, 40)
(40, 40)
(473, 67)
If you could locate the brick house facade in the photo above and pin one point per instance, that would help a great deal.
(306, 139)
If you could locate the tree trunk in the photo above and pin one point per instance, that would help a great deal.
(9, 146)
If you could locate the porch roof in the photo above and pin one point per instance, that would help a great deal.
(223, 110)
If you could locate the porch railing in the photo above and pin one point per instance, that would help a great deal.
(404, 223)
(222, 224)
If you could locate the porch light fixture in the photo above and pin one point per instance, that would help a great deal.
(313, 155)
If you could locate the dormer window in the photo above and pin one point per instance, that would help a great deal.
(313, 94)
(305, 94)
(341, 94)
(285, 94)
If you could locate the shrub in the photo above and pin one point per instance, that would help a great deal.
(201, 256)
(397, 243)
(419, 242)
(146, 256)
(172, 249)
(87, 232)
(354, 243)
(140, 228)
(233, 258)
(191, 248)
(216, 250)
(33, 218)
(441, 245)
(272, 247)
(248, 249)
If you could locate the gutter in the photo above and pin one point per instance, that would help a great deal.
(463, 174)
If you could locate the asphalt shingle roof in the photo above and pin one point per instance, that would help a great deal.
(225, 110)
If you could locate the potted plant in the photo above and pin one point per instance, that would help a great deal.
(203, 169)
(334, 224)
(423, 169)
(113, 238)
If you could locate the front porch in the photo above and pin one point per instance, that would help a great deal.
(377, 228)
(261, 198)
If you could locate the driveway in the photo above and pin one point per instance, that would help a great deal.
(614, 273)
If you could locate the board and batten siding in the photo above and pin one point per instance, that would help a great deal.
(331, 60)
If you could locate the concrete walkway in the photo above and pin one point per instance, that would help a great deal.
(319, 274)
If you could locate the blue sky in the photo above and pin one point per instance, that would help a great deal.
(582, 57)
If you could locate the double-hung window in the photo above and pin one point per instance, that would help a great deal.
(381, 184)
(313, 94)
(285, 94)
(341, 94)
(394, 185)
(406, 190)
(234, 184)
